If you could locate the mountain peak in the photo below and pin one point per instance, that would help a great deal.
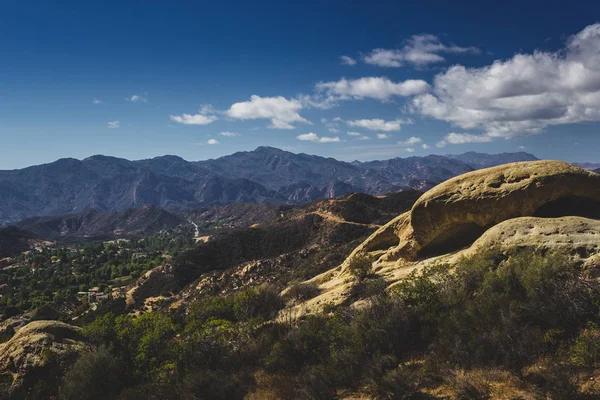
(269, 149)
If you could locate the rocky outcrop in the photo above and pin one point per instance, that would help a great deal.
(547, 205)
(39, 352)
(455, 213)
(156, 282)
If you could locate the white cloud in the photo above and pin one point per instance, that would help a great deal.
(379, 88)
(196, 119)
(383, 136)
(229, 134)
(136, 98)
(281, 111)
(522, 95)
(378, 124)
(410, 150)
(114, 125)
(347, 60)
(332, 126)
(425, 146)
(97, 101)
(312, 137)
(207, 109)
(462, 138)
(419, 50)
(358, 136)
(212, 141)
(410, 141)
(521, 148)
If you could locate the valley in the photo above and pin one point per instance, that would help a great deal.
(356, 289)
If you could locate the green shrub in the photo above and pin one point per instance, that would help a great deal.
(302, 291)
(95, 375)
(360, 266)
(261, 302)
(206, 308)
(470, 387)
(585, 351)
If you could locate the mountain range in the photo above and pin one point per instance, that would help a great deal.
(266, 174)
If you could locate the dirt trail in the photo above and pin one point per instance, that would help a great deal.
(335, 218)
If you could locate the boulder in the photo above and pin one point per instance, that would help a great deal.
(455, 213)
(39, 354)
(544, 205)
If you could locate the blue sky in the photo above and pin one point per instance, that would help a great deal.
(352, 80)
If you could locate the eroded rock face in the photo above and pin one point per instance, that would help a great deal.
(577, 235)
(544, 205)
(39, 352)
(455, 213)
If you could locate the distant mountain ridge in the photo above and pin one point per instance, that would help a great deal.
(482, 160)
(102, 225)
(266, 174)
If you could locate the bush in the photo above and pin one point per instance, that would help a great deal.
(585, 351)
(470, 387)
(302, 291)
(96, 375)
(369, 288)
(260, 302)
(360, 266)
(210, 307)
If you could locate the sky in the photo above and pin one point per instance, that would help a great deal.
(345, 79)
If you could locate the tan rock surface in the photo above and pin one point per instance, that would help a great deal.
(463, 207)
(535, 205)
(40, 350)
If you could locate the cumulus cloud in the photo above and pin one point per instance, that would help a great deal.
(114, 125)
(312, 137)
(462, 138)
(383, 136)
(519, 96)
(136, 98)
(347, 60)
(410, 141)
(97, 101)
(425, 146)
(212, 141)
(379, 88)
(419, 50)
(409, 149)
(281, 111)
(229, 134)
(195, 119)
(377, 124)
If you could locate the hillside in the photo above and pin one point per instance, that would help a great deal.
(353, 297)
(14, 241)
(106, 184)
(95, 225)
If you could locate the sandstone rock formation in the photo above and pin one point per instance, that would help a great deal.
(541, 204)
(454, 213)
(39, 352)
